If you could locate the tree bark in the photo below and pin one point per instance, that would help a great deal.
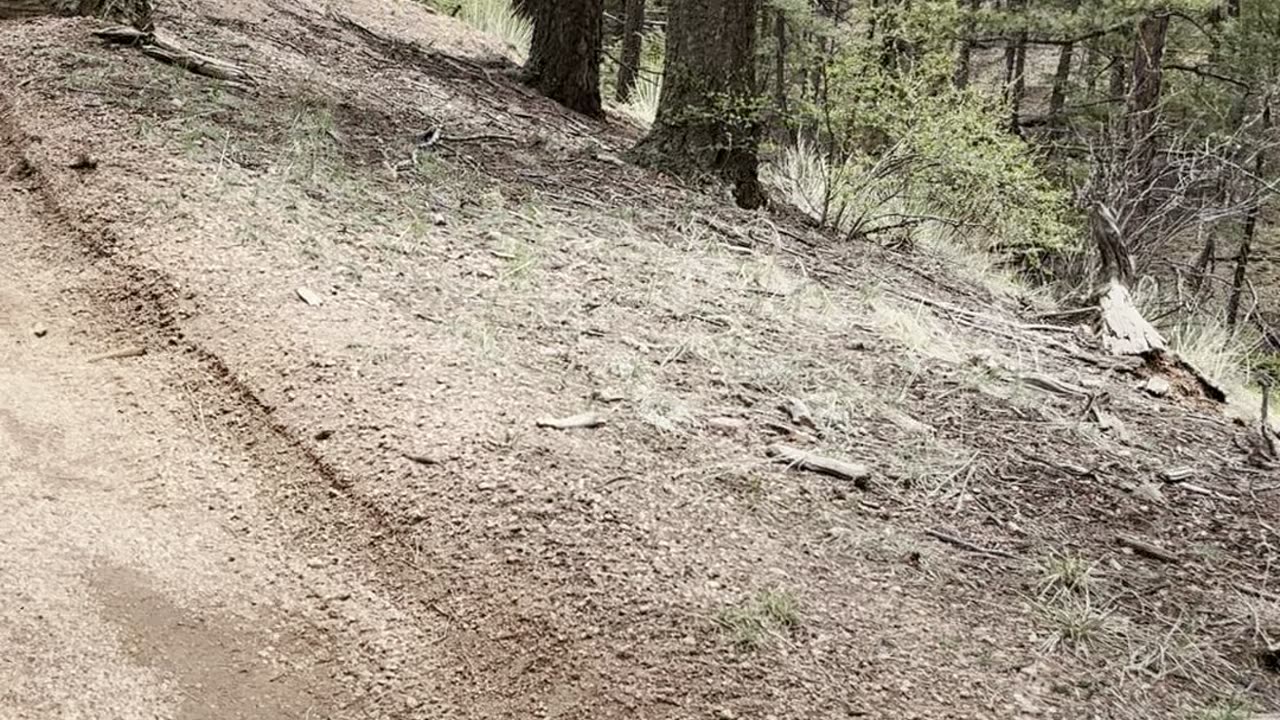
(1015, 66)
(134, 12)
(780, 100)
(708, 121)
(632, 42)
(564, 59)
(1250, 231)
(1144, 98)
(965, 55)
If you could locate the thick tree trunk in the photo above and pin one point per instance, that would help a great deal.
(632, 41)
(564, 59)
(134, 12)
(708, 120)
(1144, 98)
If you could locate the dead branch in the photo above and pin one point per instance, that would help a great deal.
(125, 352)
(966, 545)
(573, 422)
(165, 51)
(1146, 549)
(805, 460)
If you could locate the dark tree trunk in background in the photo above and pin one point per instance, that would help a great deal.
(1250, 231)
(782, 103)
(965, 54)
(1119, 84)
(1144, 98)
(632, 42)
(564, 59)
(1015, 68)
(1061, 79)
(1062, 75)
(708, 120)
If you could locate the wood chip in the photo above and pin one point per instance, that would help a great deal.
(805, 460)
(126, 352)
(581, 420)
(309, 296)
(799, 413)
(1146, 549)
(1157, 386)
(420, 459)
(726, 425)
(39, 329)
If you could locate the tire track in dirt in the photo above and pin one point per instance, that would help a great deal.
(141, 305)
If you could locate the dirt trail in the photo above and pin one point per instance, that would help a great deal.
(128, 577)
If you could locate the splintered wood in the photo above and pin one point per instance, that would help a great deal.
(805, 460)
(1124, 330)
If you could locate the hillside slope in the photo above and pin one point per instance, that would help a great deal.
(350, 502)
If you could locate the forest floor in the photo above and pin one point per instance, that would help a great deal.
(271, 384)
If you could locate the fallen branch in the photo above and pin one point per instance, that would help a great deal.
(1146, 549)
(966, 545)
(805, 460)
(1052, 385)
(165, 51)
(127, 352)
(582, 420)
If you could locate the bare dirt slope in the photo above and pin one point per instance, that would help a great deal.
(347, 508)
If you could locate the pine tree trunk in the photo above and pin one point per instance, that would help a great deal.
(964, 56)
(1144, 98)
(632, 39)
(564, 59)
(708, 121)
(1061, 79)
(1015, 69)
(780, 100)
(1250, 231)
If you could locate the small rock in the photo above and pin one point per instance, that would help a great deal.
(438, 219)
(1149, 492)
(317, 562)
(323, 435)
(39, 330)
(1157, 386)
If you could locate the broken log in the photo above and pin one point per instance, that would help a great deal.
(1124, 330)
(168, 52)
(805, 460)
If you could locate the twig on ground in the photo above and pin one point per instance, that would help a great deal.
(966, 545)
(1146, 549)
(805, 460)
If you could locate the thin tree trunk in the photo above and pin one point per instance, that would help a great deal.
(1250, 231)
(1062, 75)
(632, 40)
(1015, 66)
(780, 100)
(708, 119)
(964, 56)
(564, 59)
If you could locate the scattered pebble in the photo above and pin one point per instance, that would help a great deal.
(39, 330)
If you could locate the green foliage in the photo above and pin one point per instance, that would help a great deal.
(903, 141)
